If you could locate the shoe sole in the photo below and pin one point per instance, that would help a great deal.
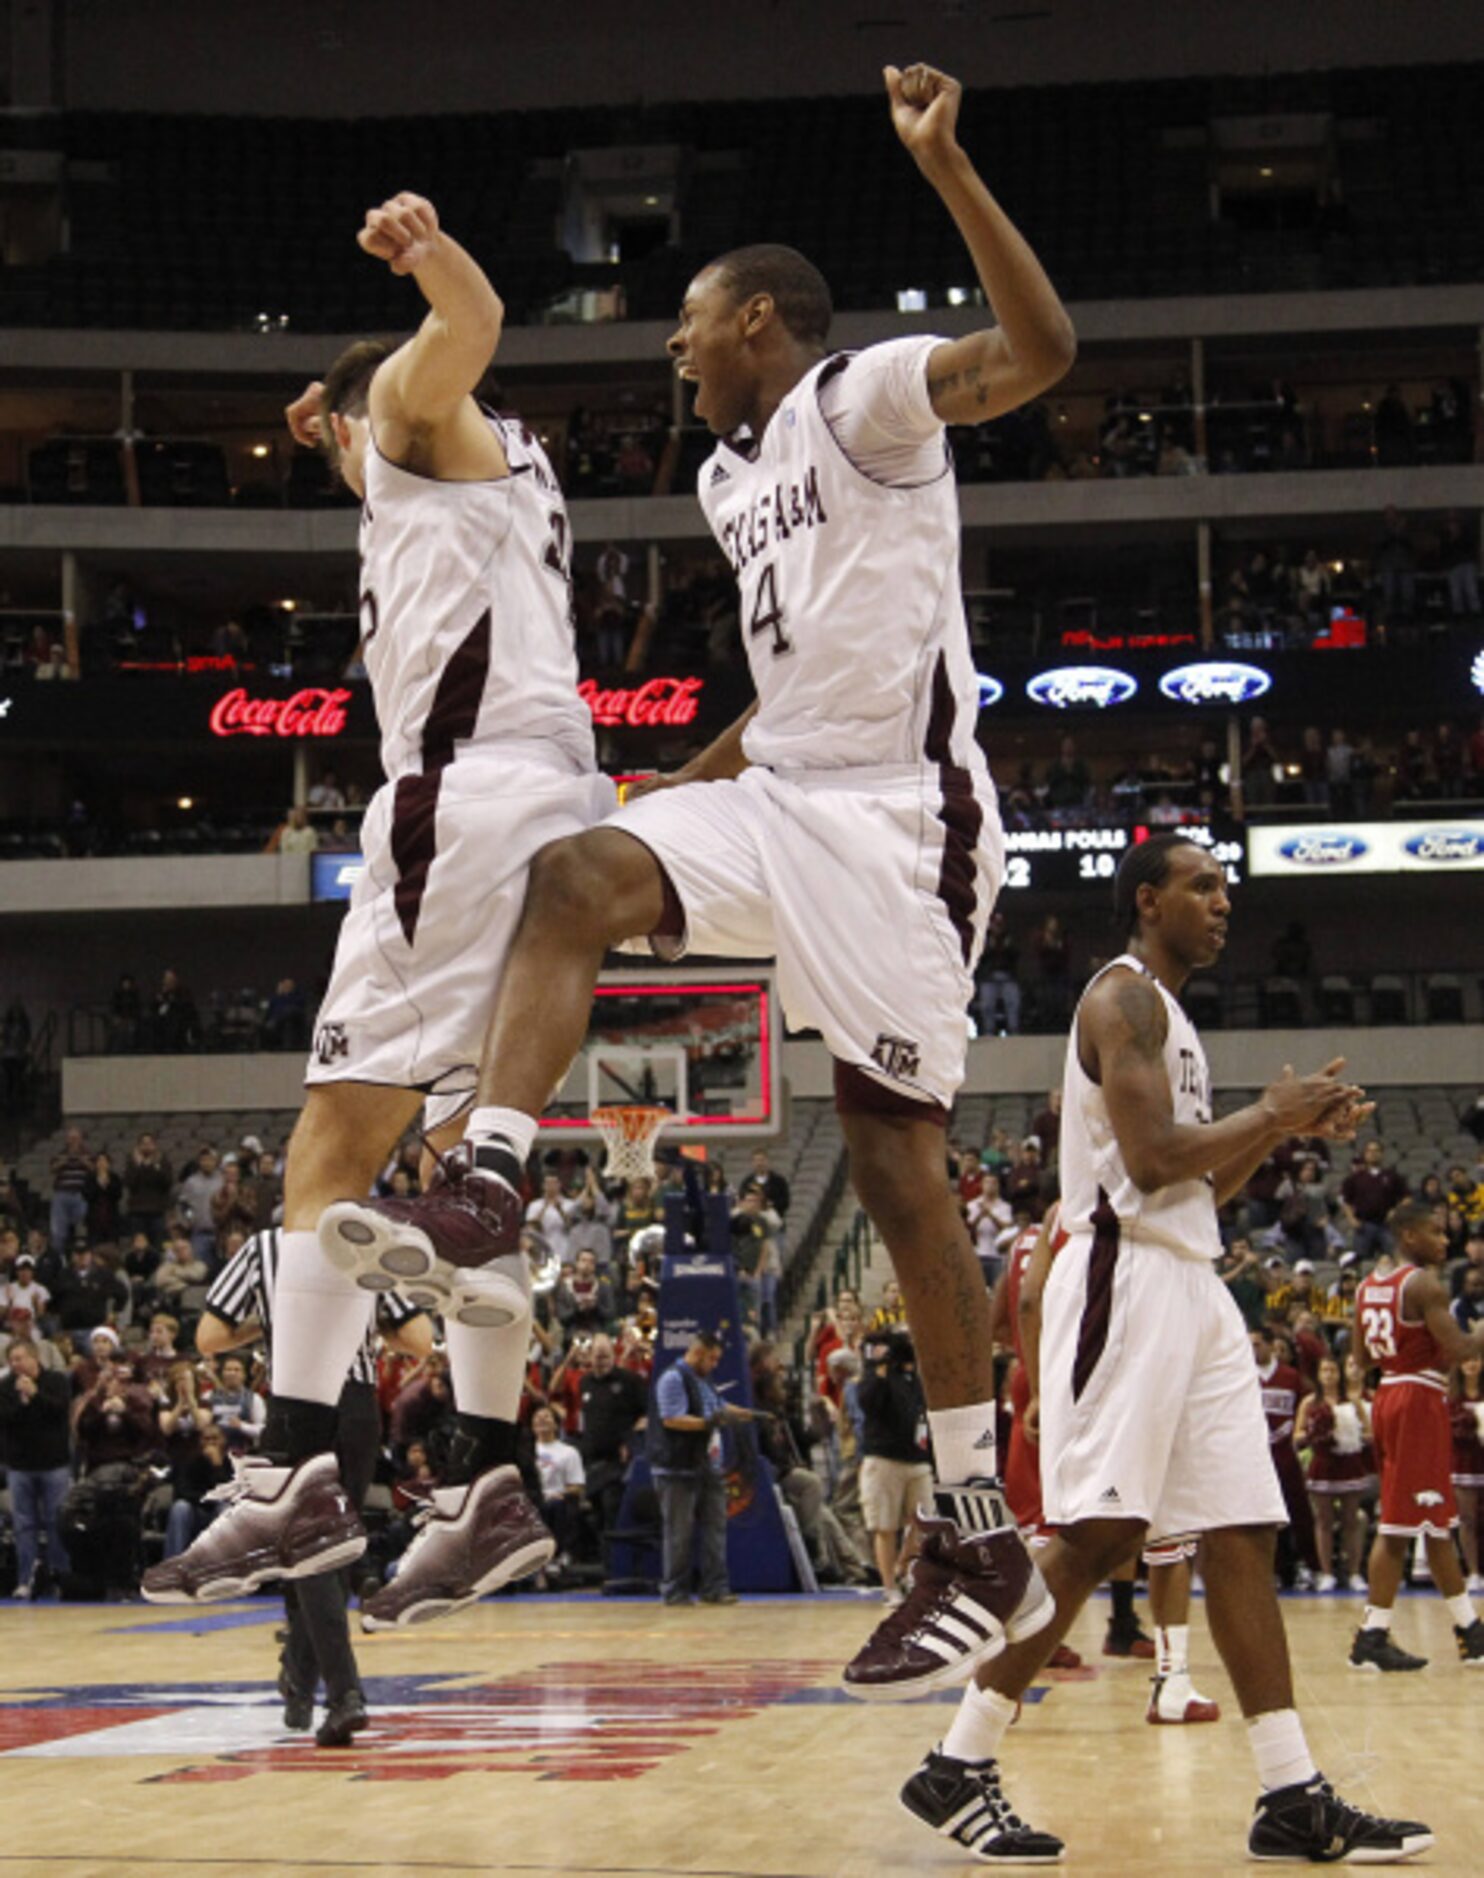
(951, 1675)
(343, 1736)
(1183, 1721)
(1362, 1855)
(1393, 1669)
(946, 1832)
(381, 1256)
(220, 1590)
(518, 1565)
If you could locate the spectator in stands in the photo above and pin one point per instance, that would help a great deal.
(104, 1194)
(777, 1197)
(560, 1468)
(1304, 1211)
(1459, 557)
(1312, 590)
(148, 1184)
(552, 1214)
(23, 1291)
(182, 1417)
(1047, 1128)
(751, 1235)
(174, 1023)
(1368, 1193)
(1468, 1305)
(205, 1468)
(35, 1414)
(638, 1210)
(1248, 1280)
(1393, 430)
(896, 1466)
(1261, 766)
(125, 1014)
(326, 793)
(286, 1021)
(784, 1441)
(194, 1196)
(1449, 762)
(999, 995)
(1068, 781)
(989, 1217)
(891, 1311)
(613, 1404)
(583, 1301)
(591, 1229)
(178, 1269)
(69, 1207)
(1473, 1259)
(88, 1293)
(116, 1420)
(295, 834)
(1052, 992)
(238, 1410)
(1339, 772)
(423, 1410)
(234, 1208)
(1027, 1183)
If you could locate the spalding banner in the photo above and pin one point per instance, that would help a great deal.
(1335, 849)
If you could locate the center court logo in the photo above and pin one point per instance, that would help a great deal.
(1323, 849)
(1215, 681)
(1444, 845)
(1100, 686)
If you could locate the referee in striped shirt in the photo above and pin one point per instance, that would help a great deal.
(238, 1312)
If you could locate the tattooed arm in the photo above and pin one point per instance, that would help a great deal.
(987, 373)
(1120, 1041)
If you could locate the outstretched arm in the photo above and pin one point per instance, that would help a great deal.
(426, 380)
(987, 373)
(720, 761)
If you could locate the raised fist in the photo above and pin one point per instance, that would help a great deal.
(924, 109)
(402, 232)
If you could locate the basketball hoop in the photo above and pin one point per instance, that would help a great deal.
(629, 1135)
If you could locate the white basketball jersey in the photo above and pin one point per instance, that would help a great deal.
(851, 610)
(1094, 1180)
(466, 616)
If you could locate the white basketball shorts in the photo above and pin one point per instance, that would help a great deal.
(432, 917)
(871, 887)
(1150, 1405)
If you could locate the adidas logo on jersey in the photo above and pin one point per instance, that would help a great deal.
(1109, 1497)
(720, 474)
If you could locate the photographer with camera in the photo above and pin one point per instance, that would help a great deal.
(687, 1477)
(896, 1463)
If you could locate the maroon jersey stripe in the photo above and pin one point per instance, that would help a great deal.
(961, 815)
(1097, 1308)
(451, 720)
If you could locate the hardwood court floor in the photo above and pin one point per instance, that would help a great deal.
(584, 1736)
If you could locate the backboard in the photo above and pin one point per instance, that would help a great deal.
(702, 1043)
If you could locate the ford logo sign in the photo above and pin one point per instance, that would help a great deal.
(1095, 685)
(1323, 848)
(1446, 844)
(990, 691)
(1476, 671)
(1215, 681)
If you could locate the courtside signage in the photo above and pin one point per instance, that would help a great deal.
(333, 876)
(1367, 848)
(1089, 686)
(1215, 681)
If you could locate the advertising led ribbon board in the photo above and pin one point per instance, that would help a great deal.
(1331, 850)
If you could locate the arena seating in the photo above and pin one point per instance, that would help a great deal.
(204, 222)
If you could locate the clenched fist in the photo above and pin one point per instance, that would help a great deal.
(924, 110)
(402, 232)
(305, 416)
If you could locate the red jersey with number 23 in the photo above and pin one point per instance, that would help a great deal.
(1410, 1423)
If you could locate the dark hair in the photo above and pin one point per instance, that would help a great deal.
(347, 388)
(1148, 864)
(1407, 1215)
(797, 287)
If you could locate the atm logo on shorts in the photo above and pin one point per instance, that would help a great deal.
(897, 1056)
(330, 1044)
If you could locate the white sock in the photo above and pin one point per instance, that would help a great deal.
(1172, 1644)
(507, 1125)
(979, 1726)
(488, 1366)
(1461, 1610)
(964, 1443)
(1375, 1618)
(320, 1316)
(1280, 1750)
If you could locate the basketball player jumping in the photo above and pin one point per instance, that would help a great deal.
(488, 752)
(1151, 1419)
(1403, 1325)
(846, 824)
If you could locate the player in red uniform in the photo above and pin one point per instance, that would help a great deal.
(1403, 1324)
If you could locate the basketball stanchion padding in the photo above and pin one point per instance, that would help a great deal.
(629, 1133)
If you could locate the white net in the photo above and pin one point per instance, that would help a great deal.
(629, 1135)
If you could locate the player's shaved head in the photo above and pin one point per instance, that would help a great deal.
(794, 284)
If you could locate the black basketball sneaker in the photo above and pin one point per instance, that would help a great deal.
(1378, 1649)
(1310, 1824)
(963, 1801)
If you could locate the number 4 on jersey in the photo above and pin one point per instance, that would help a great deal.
(767, 611)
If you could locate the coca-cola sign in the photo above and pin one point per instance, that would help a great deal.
(312, 712)
(669, 703)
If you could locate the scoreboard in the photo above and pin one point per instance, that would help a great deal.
(1060, 860)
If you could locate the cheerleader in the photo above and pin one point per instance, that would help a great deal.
(1467, 1403)
(1334, 1424)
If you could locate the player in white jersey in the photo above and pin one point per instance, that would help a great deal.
(488, 752)
(1151, 1420)
(847, 824)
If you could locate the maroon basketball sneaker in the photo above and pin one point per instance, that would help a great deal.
(470, 1540)
(967, 1597)
(426, 1247)
(278, 1522)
